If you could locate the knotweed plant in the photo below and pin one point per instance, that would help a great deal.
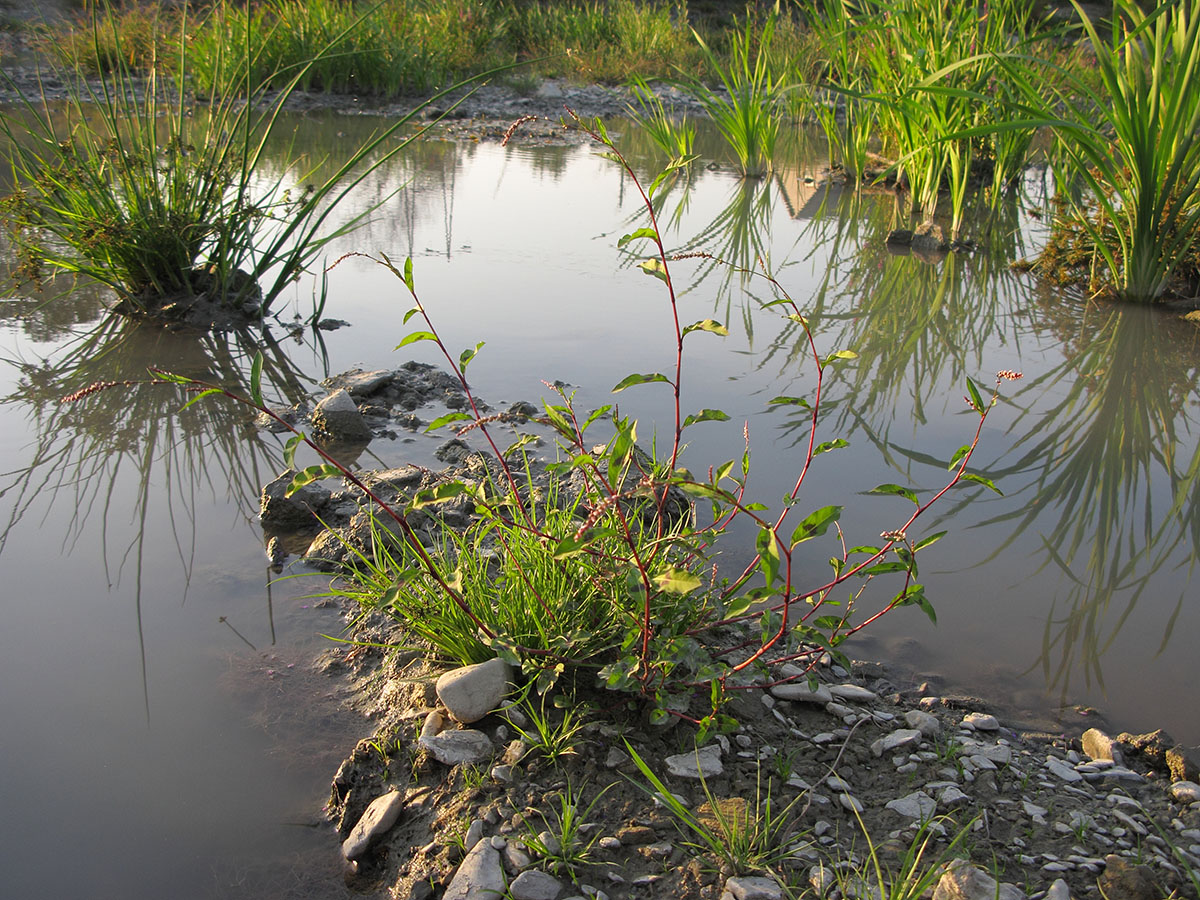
(604, 571)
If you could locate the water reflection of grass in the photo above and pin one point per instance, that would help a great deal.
(1092, 465)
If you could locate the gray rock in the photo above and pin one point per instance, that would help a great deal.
(1058, 891)
(338, 417)
(951, 796)
(903, 737)
(928, 238)
(479, 877)
(963, 881)
(798, 692)
(535, 885)
(474, 834)
(380, 816)
(702, 763)
(1186, 791)
(929, 725)
(753, 887)
(1098, 745)
(1062, 769)
(821, 879)
(362, 384)
(853, 693)
(462, 747)
(292, 513)
(917, 805)
(981, 722)
(851, 804)
(470, 693)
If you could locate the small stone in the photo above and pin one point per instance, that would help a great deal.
(821, 879)
(658, 850)
(479, 877)
(929, 725)
(502, 774)
(380, 816)
(1062, 769)
(963, 881)
(702, 763)
(608, 842)
(853, 693)
(1098, 745)
(798, 692)
(1032, 809)
(951, 797)
(339, 418)
(917, 805)
(852, 804)
(534, 885)
(474, 834)
(838, 709)
(434, 723)
(516, 856)
(904, 737)
(471, 692)
(981, 722)
(1058, 891)
(1124, 881)
(753, 887)
(1185, 791)
(616, 757)
(462, 747)
(550, 843)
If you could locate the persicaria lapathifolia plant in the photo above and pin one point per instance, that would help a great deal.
(602, 564)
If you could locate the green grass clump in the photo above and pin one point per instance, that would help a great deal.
(1128, 132)
(129, 184)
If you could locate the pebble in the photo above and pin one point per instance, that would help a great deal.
(753, 887)
(904, 737)
(798, 692)
(1185, 791)
(379, 817)
(459, 747)
(852, 692)
(702, 763)
(479, 875)
(981, 722)
(1062, 769)
(534, 885)
(917, 805)
(853, 804)
(929, 725)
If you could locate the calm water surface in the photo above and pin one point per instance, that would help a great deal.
(164, 734)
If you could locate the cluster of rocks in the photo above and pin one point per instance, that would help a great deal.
(868, 768)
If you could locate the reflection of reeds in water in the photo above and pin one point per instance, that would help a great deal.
(111, 452)
(1100, 458)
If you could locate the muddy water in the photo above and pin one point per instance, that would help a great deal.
(164, 735)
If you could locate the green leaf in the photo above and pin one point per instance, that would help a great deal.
(676, 581)
(828, 622)
(897, 490)
(836, 444)
(796, 317)
(468, 355)
(654, 266)
(884, 568)
(416, 336)
(840, 355)
(932, 539)
(790, 401)
(289, 450)
(767, 546)
(311, 474)
(256, 380)
(979, 479)
(974, 397)
(816, 523)
(594, 415)
(200, 396)
(712, 326)
(958, 455)
(635, 235)
(737, 606)
(706, 415)
(437, 494)
(408, 274)
(518, 444)
(631, 380)
(447, 419)
(702, 490)
(410, 313)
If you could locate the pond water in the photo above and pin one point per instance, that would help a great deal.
(165, 733)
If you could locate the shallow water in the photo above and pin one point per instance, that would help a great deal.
(147, 744)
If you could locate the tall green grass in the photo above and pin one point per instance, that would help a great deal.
(748, 113)
(1128, 134)
(132, 186)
